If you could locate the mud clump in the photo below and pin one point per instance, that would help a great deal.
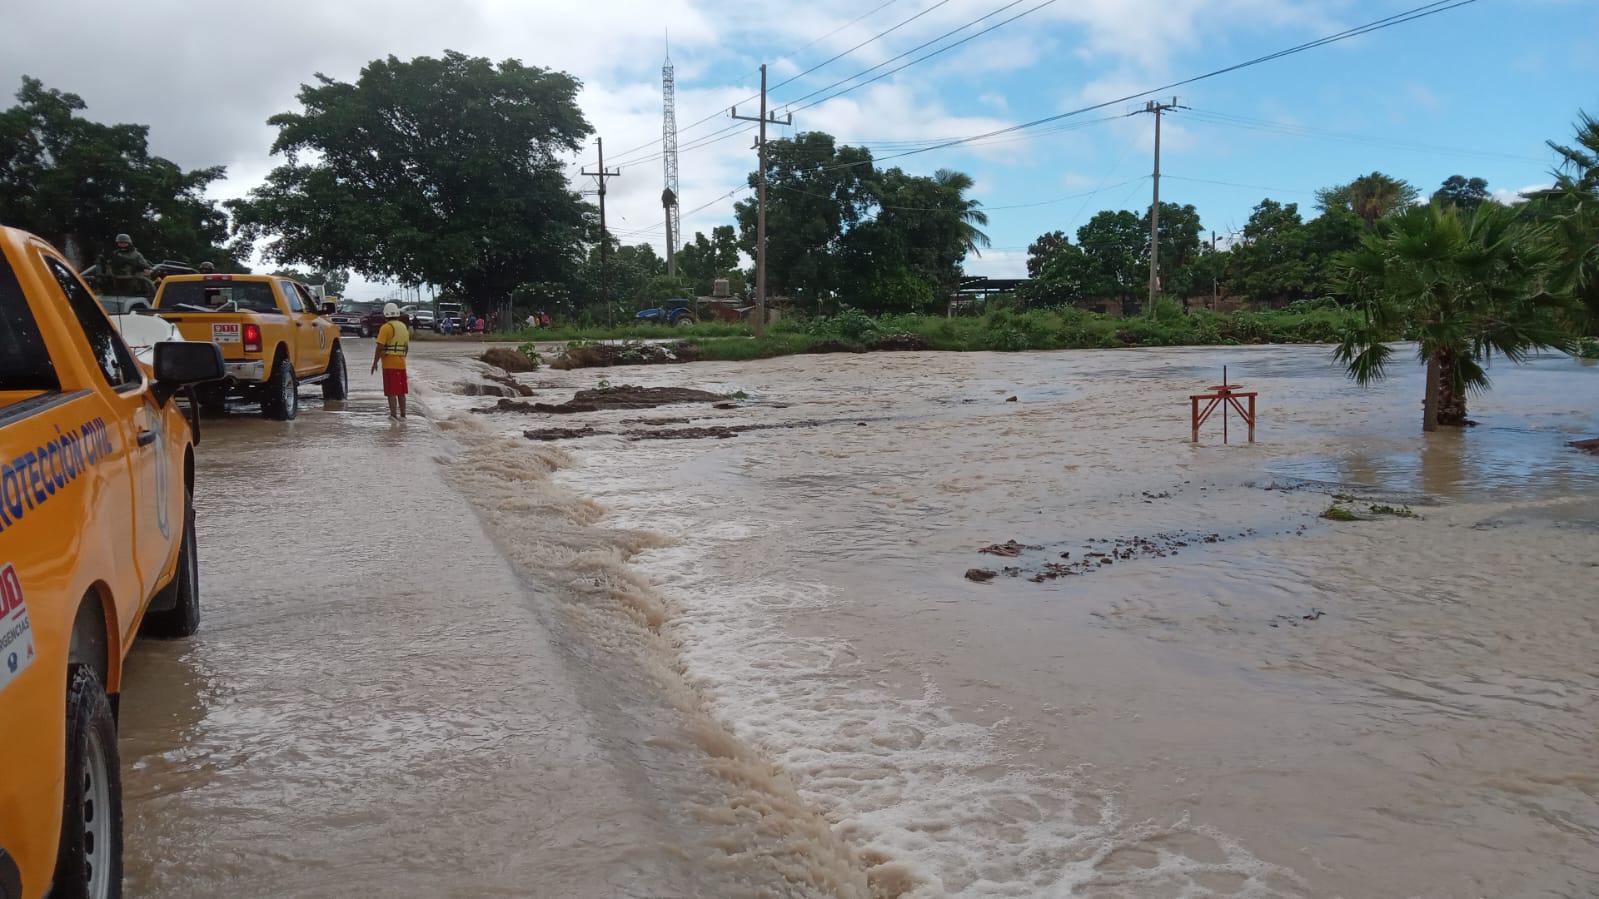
(560, 433)
(980, 575)
(1588, 446)
(516, 387)
(509, 359)
(606, 355)
(627, 396)
(1010, 549)
(621, 397)
(717, 432)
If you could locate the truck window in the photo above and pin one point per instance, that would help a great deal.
(25, 364)
(116, 361)
(218, 296)
(291, 296)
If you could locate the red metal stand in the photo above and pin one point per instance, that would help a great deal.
(1223, 395)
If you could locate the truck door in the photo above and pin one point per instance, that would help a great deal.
(151, 509)
(312, 335)
(303, 338)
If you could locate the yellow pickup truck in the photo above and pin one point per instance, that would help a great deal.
(273, 333)
(97, 543)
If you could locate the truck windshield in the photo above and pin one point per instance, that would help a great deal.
(218, 296)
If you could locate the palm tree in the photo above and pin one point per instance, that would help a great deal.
(1371, 197)
(1465, 284)
(1571, 207)
(972, 218)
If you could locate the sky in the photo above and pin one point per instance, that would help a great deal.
(1474, 90)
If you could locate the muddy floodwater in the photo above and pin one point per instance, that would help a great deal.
(442, 658)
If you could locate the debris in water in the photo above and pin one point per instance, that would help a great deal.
(625, 396)
(980, 575)
(509, 359)
(1008, 549)
(1314, 615)
(1011, 399)
(560, 433)
(1590, 445)
(720, 433)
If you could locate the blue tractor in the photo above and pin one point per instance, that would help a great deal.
(677, 311)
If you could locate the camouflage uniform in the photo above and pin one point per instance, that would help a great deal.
(125, 269)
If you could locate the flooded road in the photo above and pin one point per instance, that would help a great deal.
(439, 658)
(1265, 704)
(374, 702)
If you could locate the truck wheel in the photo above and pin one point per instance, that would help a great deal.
(366, 331)
(89, 863)
(179, 601)
(213, 401)
(337, 384)
(684, 321)
(280, 400)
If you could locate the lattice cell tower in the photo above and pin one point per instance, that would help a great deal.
(669, 161)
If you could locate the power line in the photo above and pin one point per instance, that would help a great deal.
(1401, 18)
(1295, 130)
(876, 37)
(828, 61)
(1280, 190)
(790, 105)
(865, 15)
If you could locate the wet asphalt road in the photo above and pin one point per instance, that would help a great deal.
(372, 703)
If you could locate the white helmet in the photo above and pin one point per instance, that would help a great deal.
(391, 310)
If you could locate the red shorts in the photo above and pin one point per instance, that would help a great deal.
(394, 382)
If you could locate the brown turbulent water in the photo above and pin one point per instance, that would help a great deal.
(752, 665)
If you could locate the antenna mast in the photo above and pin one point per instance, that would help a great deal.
(674, 225)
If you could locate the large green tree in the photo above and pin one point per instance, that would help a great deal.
(703, 260)
(816, 191)
(438, 170)
(1116, 244)
(79, 183)
(1462, 192)
(1371, 197)
(1466, 283)
(1179, 247)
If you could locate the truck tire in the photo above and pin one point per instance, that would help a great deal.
(89, 862)
(280, 400)
(336, 386)
(175, 612)
(213, 400)
(366, 330)
(684, 321)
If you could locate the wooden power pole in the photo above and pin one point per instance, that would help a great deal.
(760, 214)
(605, 275)
(1156, 107)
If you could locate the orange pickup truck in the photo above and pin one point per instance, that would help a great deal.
(97, 543)
(273, 333)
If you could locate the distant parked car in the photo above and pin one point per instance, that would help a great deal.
(351, 317)
(423, 319)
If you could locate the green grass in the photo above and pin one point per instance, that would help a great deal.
(1336, 512)
(1395, 511)
(999, 331)
(629, 331)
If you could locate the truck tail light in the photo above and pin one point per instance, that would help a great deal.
(218, 278)
(252, 338)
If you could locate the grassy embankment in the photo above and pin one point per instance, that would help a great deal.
(1000, 330)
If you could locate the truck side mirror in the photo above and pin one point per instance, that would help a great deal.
(180, 363)
(328, 308)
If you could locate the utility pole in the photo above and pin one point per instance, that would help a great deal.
(1215, 277)
(760, 215)
(1156, 107)
(605, 276)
